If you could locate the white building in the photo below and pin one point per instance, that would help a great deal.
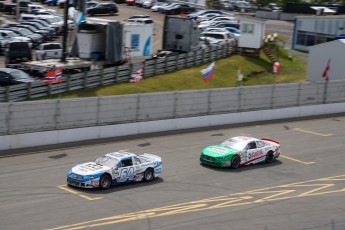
(252, 33)
(313, 30)
(329, 55)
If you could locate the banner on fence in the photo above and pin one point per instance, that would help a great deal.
(53, 76)
(136, 76)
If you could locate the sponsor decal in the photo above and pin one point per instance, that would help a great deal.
(253, 155)
(216, 150)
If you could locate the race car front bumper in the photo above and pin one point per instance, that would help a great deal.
(84, 184)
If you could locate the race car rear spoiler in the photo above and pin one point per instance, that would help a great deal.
(266, 139)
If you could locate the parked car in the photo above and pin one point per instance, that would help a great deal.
(44, 33)
(16, 53)
(115, 168)
(139, 16)
(157, 7)
(32, 7)
(141, 20)
(53, 28)
(130, 2)
(35, 38)
(139, 3)
(46, 12)
(163, 54)
(194, 15)
(51, 31)
(91, 4)
(210, 42)
(7, 36)
(103, 8)
(240, 151)
(224, 36)
(223, 24)
(147, 4)
(61, 3)
(10, 76)
(215, 19)
(206, 17)
(51, 2)
(179, 9)
(166, 6)
(233, 30)
(49, 50)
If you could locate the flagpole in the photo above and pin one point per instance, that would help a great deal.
(325, 92)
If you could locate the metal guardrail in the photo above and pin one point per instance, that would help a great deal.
(117, 74)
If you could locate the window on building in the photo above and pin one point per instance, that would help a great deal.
(247, 28)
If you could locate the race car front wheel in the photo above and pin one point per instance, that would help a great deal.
(235, 161)
(149, 175)
(105, 182)
(269, 157)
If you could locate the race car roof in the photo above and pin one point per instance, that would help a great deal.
(245, 139)
(121, 155)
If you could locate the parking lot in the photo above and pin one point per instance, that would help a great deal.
(281, 27)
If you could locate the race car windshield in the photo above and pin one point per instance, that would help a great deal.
(234, 144)
(107, 161)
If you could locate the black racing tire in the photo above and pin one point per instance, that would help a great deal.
(235, 161)
(149, 175)
(104, 182)
(269, 157)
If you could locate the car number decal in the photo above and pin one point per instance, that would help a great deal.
(126, 173)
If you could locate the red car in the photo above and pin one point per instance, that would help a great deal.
(130, 2)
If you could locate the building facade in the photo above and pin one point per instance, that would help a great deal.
(313, 30)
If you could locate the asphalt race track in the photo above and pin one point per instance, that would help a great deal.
(304, 189)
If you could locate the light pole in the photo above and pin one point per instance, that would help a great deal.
(65, 32)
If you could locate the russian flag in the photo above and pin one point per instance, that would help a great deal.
(208, 72)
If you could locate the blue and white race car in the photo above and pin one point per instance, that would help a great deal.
(115, 168)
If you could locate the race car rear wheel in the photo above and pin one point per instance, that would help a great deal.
(149, 175)
(235, 161)
(105, 182)
(269, 157)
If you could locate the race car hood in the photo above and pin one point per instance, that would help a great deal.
(89, 168)
(218, 151)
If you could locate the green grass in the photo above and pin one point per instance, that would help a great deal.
(256, 71)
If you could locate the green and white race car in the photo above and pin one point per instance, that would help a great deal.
(238, 151)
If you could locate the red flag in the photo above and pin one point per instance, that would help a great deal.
(325, 72)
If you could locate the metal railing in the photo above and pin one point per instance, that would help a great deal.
(117, 74)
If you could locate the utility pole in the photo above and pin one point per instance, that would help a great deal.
(65, 32)
(17, 10)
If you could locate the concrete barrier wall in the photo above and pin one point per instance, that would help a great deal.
(34, 116)
(89, 133)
